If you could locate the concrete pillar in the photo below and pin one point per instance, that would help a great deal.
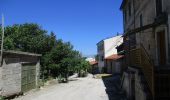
(37, 73)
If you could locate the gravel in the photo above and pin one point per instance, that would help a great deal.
(77, 89)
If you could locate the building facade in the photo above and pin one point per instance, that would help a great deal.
(106, 48)
(147, 47)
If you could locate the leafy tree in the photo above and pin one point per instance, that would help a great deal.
(58, 57)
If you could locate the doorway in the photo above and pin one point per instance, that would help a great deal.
(161, 47)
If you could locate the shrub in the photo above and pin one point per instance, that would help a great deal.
(2, 98)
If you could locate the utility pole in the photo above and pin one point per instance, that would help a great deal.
(2, 39)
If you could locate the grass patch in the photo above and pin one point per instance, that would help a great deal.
(2, 98)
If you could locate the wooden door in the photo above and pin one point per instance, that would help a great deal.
(161, 48)
(28, 81)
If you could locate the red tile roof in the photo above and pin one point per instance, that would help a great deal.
(93, 62)
(114, 57)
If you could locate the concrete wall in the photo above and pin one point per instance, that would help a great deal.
(134, 78)
(117, 68)
(106, 48)
(109, 64)
(113, 66)
(110, 45)
(10, 79)
(16, 58)
(10, 72)
(126, 84)
(139, 91)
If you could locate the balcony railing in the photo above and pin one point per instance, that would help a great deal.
(140, 58)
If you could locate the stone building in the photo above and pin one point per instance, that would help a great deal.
(147, 49)
(19, 72)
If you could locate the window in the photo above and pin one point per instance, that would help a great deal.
(158, 7)
(141, 20)
(129, 6)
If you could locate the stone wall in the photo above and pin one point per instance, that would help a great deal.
(16, 58)
(10, 79)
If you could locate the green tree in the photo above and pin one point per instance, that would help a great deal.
(58, 57)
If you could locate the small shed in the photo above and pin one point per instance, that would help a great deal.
(19, 72)
(94, 67)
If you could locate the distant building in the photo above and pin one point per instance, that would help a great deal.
(94, 67)
(90, 59)
(106, 48)
(113, 64)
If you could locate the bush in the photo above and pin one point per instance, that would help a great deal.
(82, 73)
(61, 79)
(2, 98)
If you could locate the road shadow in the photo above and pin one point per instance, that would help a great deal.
(113, 90)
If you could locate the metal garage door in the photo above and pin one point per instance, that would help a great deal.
(28, 75)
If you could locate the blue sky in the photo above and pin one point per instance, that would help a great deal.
(82, 22)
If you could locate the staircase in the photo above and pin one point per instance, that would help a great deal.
(140, 58)
(157, 77)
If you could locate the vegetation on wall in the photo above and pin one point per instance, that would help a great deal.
(58, 57)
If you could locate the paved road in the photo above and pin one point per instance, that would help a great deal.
(81, 89)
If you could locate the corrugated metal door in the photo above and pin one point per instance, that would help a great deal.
(28, 75)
